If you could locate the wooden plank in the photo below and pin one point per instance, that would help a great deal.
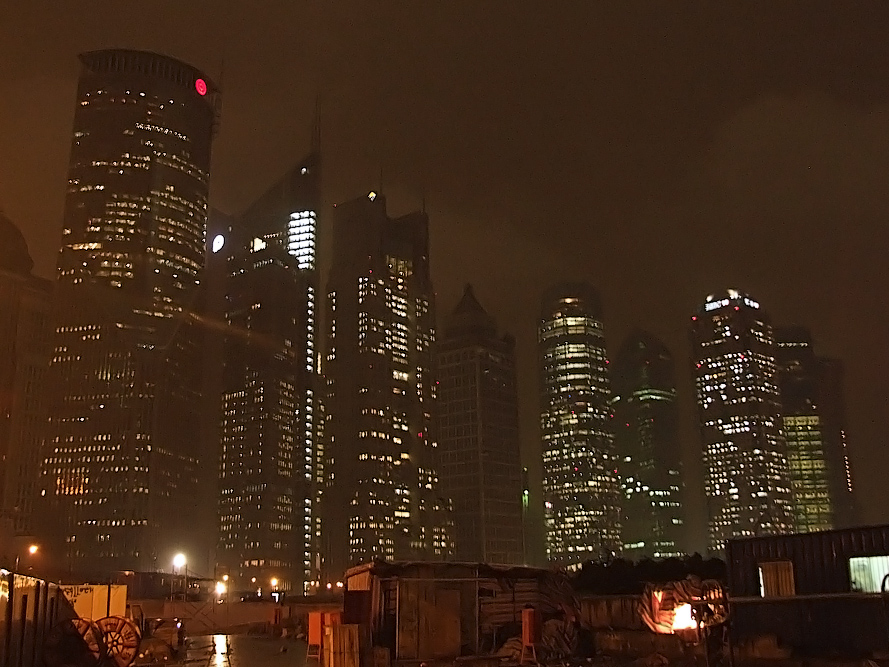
(408, 620)
(446, 625)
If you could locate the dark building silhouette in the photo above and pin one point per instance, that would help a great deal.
(815, 431)
(581, 489)
(478, 436)
(381, 498)
(24, 357)
(270, 413)
(747, 480)
(647, 442)
(125, 470)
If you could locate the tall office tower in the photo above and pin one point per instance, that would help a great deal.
(815, 431)
(747, 480)
(478, 436)
(382, 499)
(24, 357)
(580, 482)
(124, 469)
(270, 412)
(647, 442)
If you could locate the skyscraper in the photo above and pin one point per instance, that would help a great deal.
(124, 467)
(815, 431)
(478, 436)
(382, 498)
(580, 479)
(270, 390)
(24, 358)
(647, 442)
(747, 480)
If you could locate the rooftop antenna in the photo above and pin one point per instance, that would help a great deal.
(316, 127)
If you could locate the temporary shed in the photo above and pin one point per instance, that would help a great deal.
(434, 611)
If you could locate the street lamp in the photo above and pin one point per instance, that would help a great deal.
(32, 549)
(274, 583)
(180, 562)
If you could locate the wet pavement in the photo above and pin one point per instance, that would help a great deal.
(246, 651)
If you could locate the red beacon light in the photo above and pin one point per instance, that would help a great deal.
(201, 86)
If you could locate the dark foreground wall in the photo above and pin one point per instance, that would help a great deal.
(29, 608)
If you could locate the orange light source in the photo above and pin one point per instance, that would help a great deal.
(682, 619)
(33, 549)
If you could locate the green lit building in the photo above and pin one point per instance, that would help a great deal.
(647, 442)
(815, 432)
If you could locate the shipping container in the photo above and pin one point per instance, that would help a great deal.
(851, 560)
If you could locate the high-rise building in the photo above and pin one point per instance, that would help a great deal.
(382, 498)
(815, 432)
(24, 358)
(581, 489)
(125, 470)
(747, 480)
(270, 413)
(478, 436)
(647, 442)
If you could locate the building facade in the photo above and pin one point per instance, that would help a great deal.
(478, 436)
(581, 488)
(646, 421)
(747, 479)
(270, 412)
(24, 358)
(815, 432)
(125, 472)
(382, 496)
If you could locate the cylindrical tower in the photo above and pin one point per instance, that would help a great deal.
(580, 482)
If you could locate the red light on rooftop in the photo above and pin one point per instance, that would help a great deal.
(201, 86)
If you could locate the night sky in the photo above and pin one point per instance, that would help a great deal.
(660, 151)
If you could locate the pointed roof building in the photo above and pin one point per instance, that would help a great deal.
(14, 255)
(469, 318)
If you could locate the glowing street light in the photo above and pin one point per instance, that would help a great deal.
(32, 549)
(221, 588)
(179, 562)
(274, 582)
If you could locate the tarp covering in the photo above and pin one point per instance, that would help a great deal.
(658, 604)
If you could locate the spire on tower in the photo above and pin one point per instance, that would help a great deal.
(316, 127)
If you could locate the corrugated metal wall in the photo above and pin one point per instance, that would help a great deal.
(612, 612)
(846, 626)
(820, 560)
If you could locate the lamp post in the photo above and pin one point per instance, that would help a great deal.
(33, 549)
(180, 562)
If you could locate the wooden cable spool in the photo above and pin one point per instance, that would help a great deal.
(120, 638)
